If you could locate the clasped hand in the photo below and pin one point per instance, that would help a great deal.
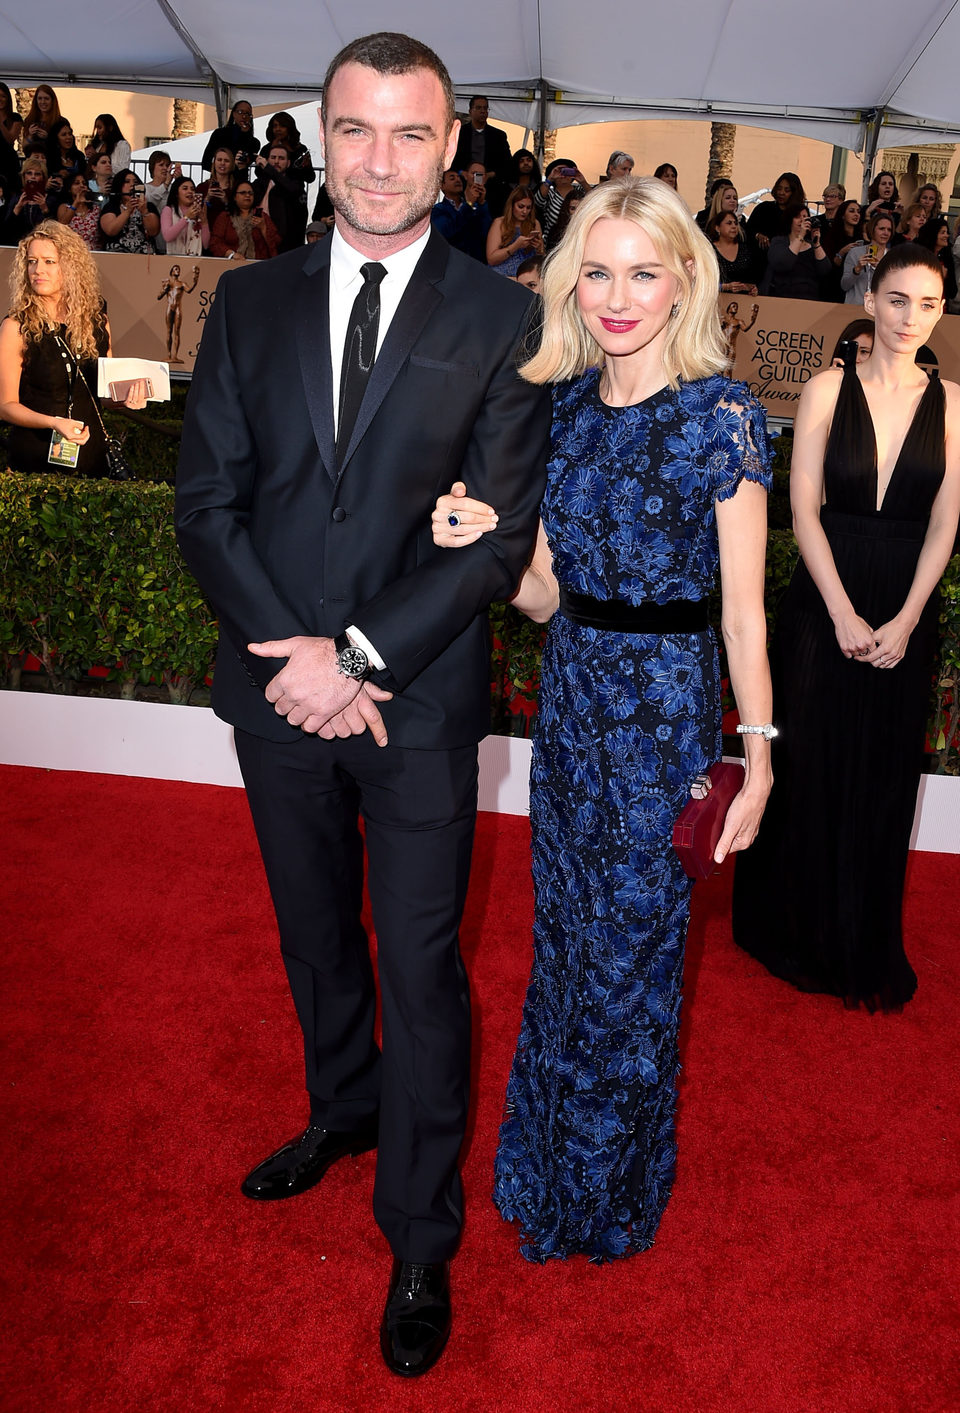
(312, 694)
(880, 647)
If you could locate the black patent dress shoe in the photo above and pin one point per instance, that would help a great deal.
(302, 1162)
(416, 1318)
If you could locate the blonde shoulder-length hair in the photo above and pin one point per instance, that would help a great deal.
(81, 300)
(694, 346)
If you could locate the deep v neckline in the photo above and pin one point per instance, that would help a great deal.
(903, 445)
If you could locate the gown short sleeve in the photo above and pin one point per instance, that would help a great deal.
(741, 444)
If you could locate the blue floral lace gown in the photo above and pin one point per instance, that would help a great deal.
(587, 1150)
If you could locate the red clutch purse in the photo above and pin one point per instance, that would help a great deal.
(700, 822)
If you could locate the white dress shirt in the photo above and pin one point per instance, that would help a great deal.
(345, 283)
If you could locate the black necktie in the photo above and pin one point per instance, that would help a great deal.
(359, 352)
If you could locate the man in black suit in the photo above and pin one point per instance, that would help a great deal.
(479, 142)
(339, 389)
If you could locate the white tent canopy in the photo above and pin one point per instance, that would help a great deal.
(855, 74)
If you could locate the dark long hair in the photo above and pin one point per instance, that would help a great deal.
(564, 216)
(798, 197)
(232, 207)
(114, 201)
(928, 232)
(855, 327)
(55, 154)
(11, 106)
(111, 133)
(838, 231)
(173, 195)
(513, 177)
(294, 140)
(873, 190)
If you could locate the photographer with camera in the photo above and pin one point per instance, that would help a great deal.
(462, 215)
(237, 135)
(798, 267)
(562, 177)
(30, 206)
(128, 221)
(280, 189)
(862, 259)
(183, 221)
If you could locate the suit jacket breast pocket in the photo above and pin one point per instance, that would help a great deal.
(440, 365)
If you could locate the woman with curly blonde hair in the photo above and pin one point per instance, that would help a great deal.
(657, 475)
(56, 330)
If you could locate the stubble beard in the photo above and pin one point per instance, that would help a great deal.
(418, 202)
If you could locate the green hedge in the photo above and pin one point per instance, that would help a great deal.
(91, 576)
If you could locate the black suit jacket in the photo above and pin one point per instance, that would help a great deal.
(284, 543)
(496, 154)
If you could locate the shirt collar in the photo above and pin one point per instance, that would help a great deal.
(345, 262)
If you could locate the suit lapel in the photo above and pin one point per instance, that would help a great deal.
(313, 348)
(420, 298)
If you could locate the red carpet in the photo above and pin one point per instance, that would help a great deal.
(808, 1260)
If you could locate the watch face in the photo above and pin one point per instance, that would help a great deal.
(353, 662)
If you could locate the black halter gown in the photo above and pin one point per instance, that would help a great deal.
(818, 897)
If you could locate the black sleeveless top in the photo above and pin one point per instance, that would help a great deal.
(850, 461)
(46, 378)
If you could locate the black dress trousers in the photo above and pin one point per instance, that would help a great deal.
(419, 813)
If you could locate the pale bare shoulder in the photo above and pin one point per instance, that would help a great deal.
(824, 386)
(818, 399)
(11, 335)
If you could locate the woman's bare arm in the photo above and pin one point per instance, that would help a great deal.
(811, 429)
(742, 534)
(891, 639)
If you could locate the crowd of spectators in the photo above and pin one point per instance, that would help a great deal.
(493, 204)
(252, 205)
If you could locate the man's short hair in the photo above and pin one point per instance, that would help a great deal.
(158, 155)
(274, 147)
(390, 53)
(478, 98)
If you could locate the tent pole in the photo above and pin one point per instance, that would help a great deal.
(542, 124)
(874, 121)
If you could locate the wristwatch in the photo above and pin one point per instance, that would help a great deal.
(351, 660)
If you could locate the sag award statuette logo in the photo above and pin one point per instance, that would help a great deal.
(172, 290)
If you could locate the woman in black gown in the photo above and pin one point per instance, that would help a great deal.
(875, 487)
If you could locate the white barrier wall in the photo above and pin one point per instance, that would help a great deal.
(109, 737)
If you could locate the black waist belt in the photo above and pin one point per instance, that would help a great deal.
(678, 616)
(872, 527)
